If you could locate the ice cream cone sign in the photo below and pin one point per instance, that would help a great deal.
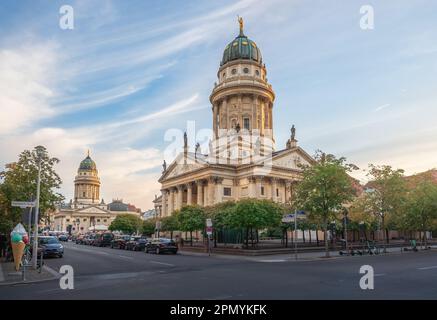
(18, 244)
(17, 251)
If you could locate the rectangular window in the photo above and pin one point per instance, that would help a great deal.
(246, 123)
(68, 220)
(227, 191)
(98, 220)
(262, 191)
(84, 220)
(277, 192)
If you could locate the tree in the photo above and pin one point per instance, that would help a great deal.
(191, 218)
(324, 189)
(421, 207)
(170, 224)
(148, 227)
(250, 214)
(19, 182)
(127, 223)
(386, 195)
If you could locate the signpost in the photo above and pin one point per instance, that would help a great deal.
(293, 218)
(209, 234)
(23, 204)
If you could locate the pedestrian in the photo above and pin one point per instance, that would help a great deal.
(3, 244)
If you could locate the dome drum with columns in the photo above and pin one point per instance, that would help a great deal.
(242, 106)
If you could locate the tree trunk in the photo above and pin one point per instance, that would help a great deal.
(247, 237)
(325, 222)
(257, 236)
(303, 235)
(251, 236)
(317, 236)
(286, 238)
(171, 235)
(310, 235)
(191, 237)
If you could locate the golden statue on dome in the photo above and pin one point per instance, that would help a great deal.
(241, 22)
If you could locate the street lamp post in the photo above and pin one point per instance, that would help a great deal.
(39, 153)
(345, 228)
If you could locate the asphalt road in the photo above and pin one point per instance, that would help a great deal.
(104, 273)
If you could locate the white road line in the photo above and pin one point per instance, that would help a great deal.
(102, 252)
(379, 274)
(126, 257)
(163, 263)
(427, 268)
(270, 260)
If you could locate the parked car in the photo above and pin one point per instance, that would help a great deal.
(63, 237)
(162, 245)
(120, 242)
(136, 244)
(103, 240)
(79, 239)
(89, 240)
(51, 246)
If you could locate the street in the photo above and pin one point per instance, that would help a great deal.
(104, 273)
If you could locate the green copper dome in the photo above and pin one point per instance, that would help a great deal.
(87, 164)
(241, 48)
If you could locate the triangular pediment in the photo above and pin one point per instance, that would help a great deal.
(182, 166)
(292, 158)
(92, 209)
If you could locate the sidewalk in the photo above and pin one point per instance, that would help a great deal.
(301, 256)
(8, 275)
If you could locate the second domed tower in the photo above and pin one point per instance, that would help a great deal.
(242, 99)
(87, 182)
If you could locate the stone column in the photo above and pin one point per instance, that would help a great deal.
(218, 190)
(258, 186)
(288, 191)
(199, 192)
(164, 203)
(189, 194)
(252, 192)
(180, 196)
(236, 190)
(211, 191)
(171, 204)
(274, 186)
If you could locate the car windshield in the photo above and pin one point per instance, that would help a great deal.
(48, 240)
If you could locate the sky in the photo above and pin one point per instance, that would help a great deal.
(130, 71)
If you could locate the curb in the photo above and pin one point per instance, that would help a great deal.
(55, 276)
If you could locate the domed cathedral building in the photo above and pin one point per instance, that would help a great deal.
(87, 212)
(242, 160)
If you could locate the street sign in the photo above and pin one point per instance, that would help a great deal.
(208, 222)
(209, 231)
(23, 204)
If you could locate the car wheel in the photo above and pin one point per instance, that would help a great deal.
(61, 255)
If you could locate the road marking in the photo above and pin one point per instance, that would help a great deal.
(427, 268)
(271, 260)
(126, 257)
(163, 263)
(102, 252)
(379, 274)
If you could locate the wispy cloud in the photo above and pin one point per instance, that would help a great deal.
(381, 107)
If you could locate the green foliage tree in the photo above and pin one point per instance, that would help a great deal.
(170, 224)
(191, 218)
(421, 208)
(19, 182)
(387, 194)
(254, 214)
(324, 189)
(148, 227)
(127, 223)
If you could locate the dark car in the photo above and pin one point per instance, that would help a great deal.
(120, 242)
(51, 246)
(63, 237)
(89, 240)
(162, 245)
(136, 244)
(79, 239)
(103, 240)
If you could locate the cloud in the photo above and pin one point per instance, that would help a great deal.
(377, 109)
(26, 85)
